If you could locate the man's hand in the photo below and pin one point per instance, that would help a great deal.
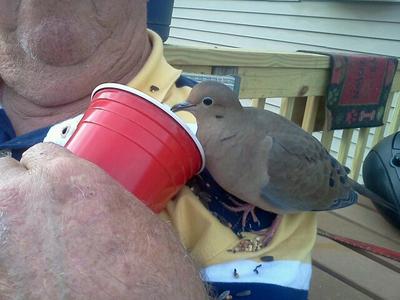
(68, 231)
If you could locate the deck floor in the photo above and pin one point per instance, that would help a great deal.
(342, 272)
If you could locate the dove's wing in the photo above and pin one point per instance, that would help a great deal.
(303, 176)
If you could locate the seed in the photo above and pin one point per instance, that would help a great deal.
(154, 89)
(235, 273)
(256, 269)
(224, 295)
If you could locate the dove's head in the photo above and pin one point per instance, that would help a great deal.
(210, 99)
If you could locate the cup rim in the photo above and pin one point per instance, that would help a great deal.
(160, 105)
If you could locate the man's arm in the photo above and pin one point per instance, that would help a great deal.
(67, 230)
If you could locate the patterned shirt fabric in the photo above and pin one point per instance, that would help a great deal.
(209, 231)
(17, 145)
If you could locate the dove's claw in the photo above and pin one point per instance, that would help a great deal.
(268, 234)
(245, 208)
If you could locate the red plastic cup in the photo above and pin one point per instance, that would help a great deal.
(139, 142)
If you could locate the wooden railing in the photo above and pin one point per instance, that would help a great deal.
(300, 79)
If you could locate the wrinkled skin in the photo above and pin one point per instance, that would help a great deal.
(53, 53)
(68, 230)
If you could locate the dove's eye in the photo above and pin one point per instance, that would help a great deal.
(208, 101)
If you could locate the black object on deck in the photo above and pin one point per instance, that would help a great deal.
(381, 174)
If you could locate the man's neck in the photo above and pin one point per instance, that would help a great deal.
(27, 116)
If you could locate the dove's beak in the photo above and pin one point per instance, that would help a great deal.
(182, 106)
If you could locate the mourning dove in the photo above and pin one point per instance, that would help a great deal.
(265, 159)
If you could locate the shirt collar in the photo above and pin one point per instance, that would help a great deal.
(148, 80)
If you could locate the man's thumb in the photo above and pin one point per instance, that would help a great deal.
(42, 152)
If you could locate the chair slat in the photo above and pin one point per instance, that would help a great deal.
(287, 107)
(258, 103)
(359, 153)
(396, 118)
(379, 131)
(327, 138)
(345, 145)
(310, 113)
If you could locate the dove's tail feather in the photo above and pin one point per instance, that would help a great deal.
(362, 190)
(351, 199)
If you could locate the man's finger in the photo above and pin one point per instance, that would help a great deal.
(40, 153)
(10, 167)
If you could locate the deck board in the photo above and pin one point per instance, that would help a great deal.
(342, 272)
(341, 226)
(327, 287)
(366, 203)
(369, 219)
(357, 270)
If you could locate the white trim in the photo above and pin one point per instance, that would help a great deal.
(287, 273)
(164, 107)
(61, 132)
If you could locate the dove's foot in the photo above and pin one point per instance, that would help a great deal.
(262, 240)
(245, 208)
(268, 233)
